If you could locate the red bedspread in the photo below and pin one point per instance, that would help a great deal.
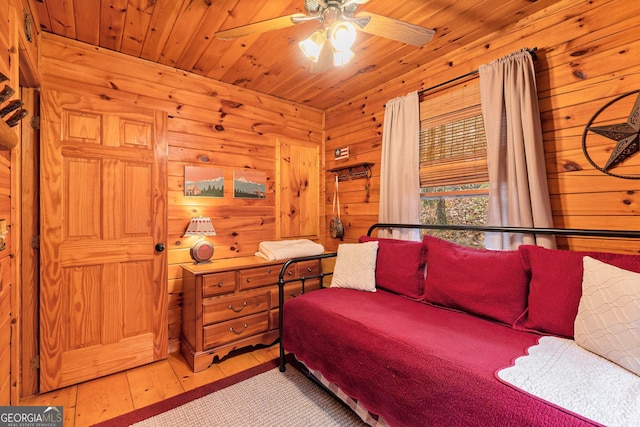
(415, 364)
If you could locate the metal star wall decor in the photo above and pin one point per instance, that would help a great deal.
(626, 134)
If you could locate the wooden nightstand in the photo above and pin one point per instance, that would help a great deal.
(233, 303)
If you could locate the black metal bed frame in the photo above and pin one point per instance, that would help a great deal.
(622, 234)
(282, 282)
(578, 232)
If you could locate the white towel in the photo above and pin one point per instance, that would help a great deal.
(284, 249)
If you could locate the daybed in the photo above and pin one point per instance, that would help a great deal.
(416, 351)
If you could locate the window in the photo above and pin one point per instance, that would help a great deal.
(454, 186)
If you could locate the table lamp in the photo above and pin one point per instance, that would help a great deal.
(202, 251)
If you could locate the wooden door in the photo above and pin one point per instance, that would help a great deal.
(299, 185)
(29, 254)
(103, 298)
(6, 306)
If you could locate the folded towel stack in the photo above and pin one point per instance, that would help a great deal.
(285, 249)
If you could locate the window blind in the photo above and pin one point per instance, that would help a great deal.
(453, 148)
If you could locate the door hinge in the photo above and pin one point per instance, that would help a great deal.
(35, 121)
(35, 362)
(35, 242)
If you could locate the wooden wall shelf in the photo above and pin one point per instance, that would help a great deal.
(8, 138)
(354, 171)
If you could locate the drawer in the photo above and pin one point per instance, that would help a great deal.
(312, 285)
(308, 268)
(291, 290)
(260, 276)
(233, 330)
(220, 309)
(274, 319)
(218, 283)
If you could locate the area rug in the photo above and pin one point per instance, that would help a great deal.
(250, 398)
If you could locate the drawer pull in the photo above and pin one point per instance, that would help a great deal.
(309, 269)
(240, 331)
(220, 284)
(290, 273)
(238, 310)
(269, 271)
(248, 279)
(292, 294)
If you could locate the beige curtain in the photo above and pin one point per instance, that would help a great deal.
(518, 190)
(399, 169)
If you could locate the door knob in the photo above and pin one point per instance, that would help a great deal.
(159, 247)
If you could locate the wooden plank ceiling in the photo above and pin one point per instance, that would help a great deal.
(180, 34)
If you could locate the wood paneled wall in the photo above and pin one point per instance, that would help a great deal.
(587, 55)
(5, 277)
(210, 124)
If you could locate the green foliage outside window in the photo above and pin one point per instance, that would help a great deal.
(456, 205)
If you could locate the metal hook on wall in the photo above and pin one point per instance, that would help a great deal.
(355, 171)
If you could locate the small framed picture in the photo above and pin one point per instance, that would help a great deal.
(203, 181)
(249, 184)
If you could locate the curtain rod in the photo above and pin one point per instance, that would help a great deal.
(532, 52)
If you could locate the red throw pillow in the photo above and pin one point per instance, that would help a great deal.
(487, 283)
(400, 266)
(556, 286)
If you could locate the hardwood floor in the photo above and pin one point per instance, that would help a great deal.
(104, 398)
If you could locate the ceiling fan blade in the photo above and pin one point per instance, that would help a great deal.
(259, 27)
(395, 29)
(300, 18)
(325, 59)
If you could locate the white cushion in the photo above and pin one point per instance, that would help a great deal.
(608, 320)
(356, 266)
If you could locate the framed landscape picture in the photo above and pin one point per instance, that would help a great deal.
(203, 181)
(249, 184)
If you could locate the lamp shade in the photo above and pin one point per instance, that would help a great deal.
(312, 46)
(343, 35)
(200, 226)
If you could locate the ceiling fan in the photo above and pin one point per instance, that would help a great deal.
(331, 43)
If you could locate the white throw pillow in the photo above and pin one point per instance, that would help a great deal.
(356, 266)
(608, 320)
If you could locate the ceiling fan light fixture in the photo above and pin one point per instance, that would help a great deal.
(339, 20)
(312, 45)
(343, 36)
(342, 57)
